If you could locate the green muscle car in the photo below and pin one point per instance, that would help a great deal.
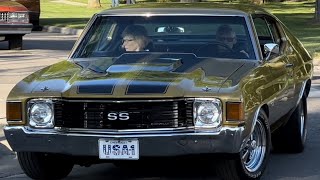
(166, 80)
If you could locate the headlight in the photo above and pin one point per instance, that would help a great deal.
(22, 17)
(207, 112)
(41, 113)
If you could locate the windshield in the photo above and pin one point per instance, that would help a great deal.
(203, 36)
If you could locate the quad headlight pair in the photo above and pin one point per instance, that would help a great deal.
(207, 113)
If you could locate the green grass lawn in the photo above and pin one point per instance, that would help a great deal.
(297, 16)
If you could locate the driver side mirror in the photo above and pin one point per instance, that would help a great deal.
(271, 49)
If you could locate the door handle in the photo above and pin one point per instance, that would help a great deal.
(289, 65)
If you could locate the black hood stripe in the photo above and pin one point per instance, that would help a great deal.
(147, 87)
(105, 88)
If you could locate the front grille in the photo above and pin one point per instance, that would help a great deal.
(108, 115)
(4, 16)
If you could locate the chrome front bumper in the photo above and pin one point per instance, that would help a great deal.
(151, 143)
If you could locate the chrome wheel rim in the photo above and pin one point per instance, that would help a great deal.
(254, 152)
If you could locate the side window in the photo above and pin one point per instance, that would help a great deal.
(269, 32)
(263, 31)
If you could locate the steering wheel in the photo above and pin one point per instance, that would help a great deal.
(211, 49)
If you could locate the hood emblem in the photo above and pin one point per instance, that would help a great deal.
(206, 89)
(44, 89)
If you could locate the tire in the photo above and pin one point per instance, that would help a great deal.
(251, 161)
(15, 42)
(291, 137)
(45, 166)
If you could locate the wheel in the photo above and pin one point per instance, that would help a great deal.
(292, 136)
(251, 161)
(15, 42)
(44, 165)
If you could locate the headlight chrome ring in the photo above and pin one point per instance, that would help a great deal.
(41, 113)
(207, 112)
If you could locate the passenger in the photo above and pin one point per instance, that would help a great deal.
(227, 36)
(135, 38)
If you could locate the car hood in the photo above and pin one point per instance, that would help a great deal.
(163, 77)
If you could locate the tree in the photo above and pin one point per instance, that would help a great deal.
(94, 4)
(317, 11)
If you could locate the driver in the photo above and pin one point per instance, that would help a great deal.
(227, 36)
(135, 38)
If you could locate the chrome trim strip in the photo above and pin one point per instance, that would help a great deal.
(173, 14)
(302, 91)
(115, 101)
(255, 118)
(14, 101)
(157, 134)
(13, 122)
(123, 131)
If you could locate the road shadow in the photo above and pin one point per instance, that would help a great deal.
(49, 44)
(170, 169)
(44, 41)
(315, 77)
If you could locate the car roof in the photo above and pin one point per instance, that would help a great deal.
(202, 8)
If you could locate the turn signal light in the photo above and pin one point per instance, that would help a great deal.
(14, 111)
(235, 111)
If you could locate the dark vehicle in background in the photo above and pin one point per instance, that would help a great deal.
(33, 7)
(14, 23)
(190, 94)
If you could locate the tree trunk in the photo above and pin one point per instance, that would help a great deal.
(94, 4)
(189, 1)
(317, 11)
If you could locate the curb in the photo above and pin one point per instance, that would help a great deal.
(62, 30)
(3, 122)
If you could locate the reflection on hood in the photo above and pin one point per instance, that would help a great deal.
(144, 73)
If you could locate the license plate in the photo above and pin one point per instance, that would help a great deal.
(119, 149)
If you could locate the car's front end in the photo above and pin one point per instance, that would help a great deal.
(76, 115)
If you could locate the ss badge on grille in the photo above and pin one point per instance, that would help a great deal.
(123, 116)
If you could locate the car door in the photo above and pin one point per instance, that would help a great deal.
(269, 31)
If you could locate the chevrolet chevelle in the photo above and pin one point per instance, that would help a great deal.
(190, 94)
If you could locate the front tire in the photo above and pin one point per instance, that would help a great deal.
(45, 165)
(251, 161)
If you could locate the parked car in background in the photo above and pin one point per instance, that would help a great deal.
(33, 7)
(14, 23)
(201, 79)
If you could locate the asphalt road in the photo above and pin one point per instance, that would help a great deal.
(42, 49)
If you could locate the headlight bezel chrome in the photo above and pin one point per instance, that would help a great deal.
(47, 106)
(211, 106)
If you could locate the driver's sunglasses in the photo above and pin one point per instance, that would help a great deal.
(229, 39)
(127, 40)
